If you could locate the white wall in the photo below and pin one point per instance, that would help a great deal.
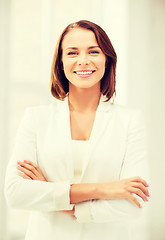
(146, 87)
(157, 118)
(4, 106)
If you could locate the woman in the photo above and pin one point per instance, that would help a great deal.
(79, 164)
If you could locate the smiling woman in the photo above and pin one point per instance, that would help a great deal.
(93, 53)
(84, 60)
(79, 164)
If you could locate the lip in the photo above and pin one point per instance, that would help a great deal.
(84, 73)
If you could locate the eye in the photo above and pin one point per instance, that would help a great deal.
(72, 53)
(94, 52)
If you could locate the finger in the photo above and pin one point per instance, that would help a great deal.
(35, 168)
(23, 175)
(69, 212)
(29, 167)
(32, 164)
(26, 172)
(138, 192)
(140, 180)
(37, 171)
(134, 200)
(141, 187)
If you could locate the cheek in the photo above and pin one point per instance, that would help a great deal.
(68, 65)
(101, 65)
(65, 67)
(101, 62)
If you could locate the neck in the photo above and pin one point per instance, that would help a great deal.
(84, 99)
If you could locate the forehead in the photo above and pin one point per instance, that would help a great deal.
(79, 37)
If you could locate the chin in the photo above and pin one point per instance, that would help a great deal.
(85, 86)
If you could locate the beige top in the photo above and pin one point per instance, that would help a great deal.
(78, 150)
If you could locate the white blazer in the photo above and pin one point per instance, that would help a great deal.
(116, 150)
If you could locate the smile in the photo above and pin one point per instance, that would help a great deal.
(84, 73)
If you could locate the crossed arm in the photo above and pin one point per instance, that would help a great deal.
(121, 189)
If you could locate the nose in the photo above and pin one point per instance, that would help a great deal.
(83, 60)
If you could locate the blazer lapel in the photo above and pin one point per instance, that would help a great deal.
(63, 131)
(102, 117)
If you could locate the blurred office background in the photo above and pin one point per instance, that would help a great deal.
(29, 30)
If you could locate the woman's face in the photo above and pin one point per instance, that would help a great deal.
(83, 60)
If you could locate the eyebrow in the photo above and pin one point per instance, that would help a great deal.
(75, 48)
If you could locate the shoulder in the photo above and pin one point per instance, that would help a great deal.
(118, 109)
(39, 110)
(122, 111)
(133, 117)
(43, 112)
(125, 115)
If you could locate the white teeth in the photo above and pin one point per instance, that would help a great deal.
(84, 73)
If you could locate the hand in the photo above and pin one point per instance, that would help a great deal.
(124, 189)
(29, 170)
(69, 212)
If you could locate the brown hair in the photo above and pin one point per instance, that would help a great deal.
(59, 83)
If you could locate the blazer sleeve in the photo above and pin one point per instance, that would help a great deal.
(29, 194)
(134, 164)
